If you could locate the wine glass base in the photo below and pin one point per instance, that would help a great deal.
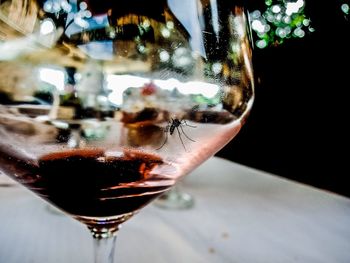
(175, 200)
(104, 227)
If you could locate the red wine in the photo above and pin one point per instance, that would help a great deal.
(88, 182)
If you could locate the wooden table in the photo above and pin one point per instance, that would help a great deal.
(240, 215)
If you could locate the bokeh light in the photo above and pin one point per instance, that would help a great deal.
(345, 8)
(282, 19)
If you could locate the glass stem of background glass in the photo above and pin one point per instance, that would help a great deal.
(175, 190)
(104, 249)
(175, 198)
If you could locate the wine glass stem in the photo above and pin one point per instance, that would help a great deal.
(104, 249)
(104, 233)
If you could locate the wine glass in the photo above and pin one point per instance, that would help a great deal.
(106, 104)
(175, 198)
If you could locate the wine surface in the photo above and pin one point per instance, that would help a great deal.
(89, 183)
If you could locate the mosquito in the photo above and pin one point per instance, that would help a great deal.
(176, 124)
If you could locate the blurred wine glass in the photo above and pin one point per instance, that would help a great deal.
(175, 198)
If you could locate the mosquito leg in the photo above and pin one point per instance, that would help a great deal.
(185, 123)
(165, 130)
(186, 134)
(166, 139)
(181, 137)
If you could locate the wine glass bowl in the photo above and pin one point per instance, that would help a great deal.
(106, 104)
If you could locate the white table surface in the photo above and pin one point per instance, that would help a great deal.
(240, 215)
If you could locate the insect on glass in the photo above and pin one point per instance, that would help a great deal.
(176, 124)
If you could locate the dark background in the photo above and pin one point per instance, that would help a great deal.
(297, 127)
